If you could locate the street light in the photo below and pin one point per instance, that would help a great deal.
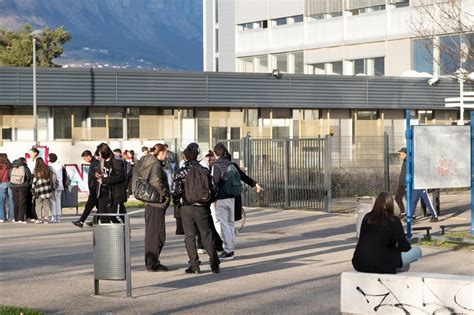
(35, 35)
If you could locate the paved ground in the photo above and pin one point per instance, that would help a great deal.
(287, 262)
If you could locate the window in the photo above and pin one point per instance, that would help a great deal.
(334, 14)
(251, 117)
(296, 19)
(422, 54)
(216, 40)
(216, 62)
(424, 116)
(367, 115)
(334, 67)
(62, 123)
(299, 64)
(280, 21)
(311, 114)
(98, 118)
(253, 25)
(449, 54)
(133, 123)
(359, 66)
(80, 117)
(216, 11)
(262, 63)
(115, 123)
(402, 4)
(203, 125)
(319, 68)
(187, 113)
(246, 64)
(282, 62)
(321, 16)
(379, 66)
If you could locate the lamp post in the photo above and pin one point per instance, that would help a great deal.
(35, 34)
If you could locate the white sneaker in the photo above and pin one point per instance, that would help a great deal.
(21, 222)
(1, 221)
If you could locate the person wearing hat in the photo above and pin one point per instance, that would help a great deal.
(402, 186)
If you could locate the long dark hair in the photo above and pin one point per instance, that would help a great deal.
(104, 151)
(4, 161)
(41, 170)
(383, 210)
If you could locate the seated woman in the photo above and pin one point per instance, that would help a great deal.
(382, 246)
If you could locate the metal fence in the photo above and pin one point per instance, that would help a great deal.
(292, 171)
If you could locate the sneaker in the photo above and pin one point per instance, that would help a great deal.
(1, 221)
(434, 219)
(13, 221)
(191, 269)
(78, 223)
(202, 251)
(215, 269)
(45, 222)
(21, 222)
(33, 220)
(226, 256)
(161, 267)
(37, 221)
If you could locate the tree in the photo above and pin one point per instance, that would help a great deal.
(446, 28)
(16, 47)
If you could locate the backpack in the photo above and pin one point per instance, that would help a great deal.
(18, 175)
(197, 186)
(54, 179)
(232, 185)
(66, 179)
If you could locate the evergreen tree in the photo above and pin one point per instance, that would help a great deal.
(16, 47)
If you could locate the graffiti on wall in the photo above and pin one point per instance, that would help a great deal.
(78, 175)
(43, 153)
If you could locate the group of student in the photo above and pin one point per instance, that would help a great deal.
(33, 188)
(205, 194)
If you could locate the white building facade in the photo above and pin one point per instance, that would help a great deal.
(338, 37)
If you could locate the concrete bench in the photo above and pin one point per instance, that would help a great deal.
(406, 293)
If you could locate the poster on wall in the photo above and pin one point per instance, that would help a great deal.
(442, 157)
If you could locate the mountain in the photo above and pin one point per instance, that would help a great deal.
(165, 34)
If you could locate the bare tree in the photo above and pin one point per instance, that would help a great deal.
(447, 26)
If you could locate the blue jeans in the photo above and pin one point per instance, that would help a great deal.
(412, 255)
(4, 190)
(416, 195)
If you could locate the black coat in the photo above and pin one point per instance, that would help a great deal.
(116, 182)
(403, 174)
(238, 199)
(94, 167)
(158, 180)
(380, 246)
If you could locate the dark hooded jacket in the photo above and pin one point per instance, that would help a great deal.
(115, 183)
(158, 180)
(28, 177)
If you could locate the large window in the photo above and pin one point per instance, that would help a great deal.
(449, 54)
(422, 54)
(282, 62)
(334, 67)
(62, 123)
(203, 125)
(115, 123)
(133, 123)
(261, 63)
(298, 62)
(379, 66)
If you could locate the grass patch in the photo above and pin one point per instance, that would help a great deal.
(129, 204)
(16, 310)
(447, 244)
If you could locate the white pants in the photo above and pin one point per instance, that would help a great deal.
(223, 215)
(56, 203)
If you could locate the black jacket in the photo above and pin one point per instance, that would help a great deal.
(219, 170)
(158, 179)
(116, 182)
(379, 247)
(28, 176)
(403, 174)
(94, 167)
(177, 190)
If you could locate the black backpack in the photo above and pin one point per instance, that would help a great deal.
(197, 186)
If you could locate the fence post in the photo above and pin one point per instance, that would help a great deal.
(386, 160)
(327, 174)
(247, 164)
(286, 165)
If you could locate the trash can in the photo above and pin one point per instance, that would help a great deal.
(364, 206)
(109, 251)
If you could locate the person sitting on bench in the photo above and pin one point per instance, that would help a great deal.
(382, 246)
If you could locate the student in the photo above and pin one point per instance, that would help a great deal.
(5, 168)
(111, 185)
(382, 246)
(92, 201)
(423, 194)
(57, 168)
(30, 204)
(42, 190)
(155, 228)
(223, 210)
(20, 182)
(193, 189)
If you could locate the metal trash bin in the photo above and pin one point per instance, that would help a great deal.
(109, 251)
(364, 206)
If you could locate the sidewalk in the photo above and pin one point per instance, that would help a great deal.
(286, 262)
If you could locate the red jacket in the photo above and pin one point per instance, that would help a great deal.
(4, 178)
